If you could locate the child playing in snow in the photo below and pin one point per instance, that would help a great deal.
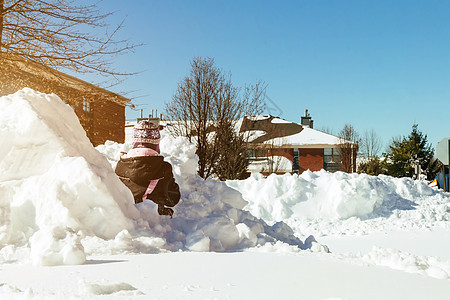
(145, 172)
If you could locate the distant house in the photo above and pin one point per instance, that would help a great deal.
(279, 146)
(101, 112)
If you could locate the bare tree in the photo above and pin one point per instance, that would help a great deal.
(60, 34)
(370, 144)
(206, 108)
(348, 148)
(326, 129)
(232, 159)
(275, 155)
(370, 149)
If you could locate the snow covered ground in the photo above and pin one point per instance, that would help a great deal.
(69, 228)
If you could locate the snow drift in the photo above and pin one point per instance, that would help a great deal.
(323, 203)
(53, 184)
(61, 201)
(209, 216)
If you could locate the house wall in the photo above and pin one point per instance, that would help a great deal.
(310, 159)
(108, 122)
(104, 121)
(288, 153)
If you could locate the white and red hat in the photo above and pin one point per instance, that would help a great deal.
(145, 132)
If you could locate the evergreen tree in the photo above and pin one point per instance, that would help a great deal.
(373, 166)
(405, 153)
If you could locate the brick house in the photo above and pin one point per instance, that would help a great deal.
(101, 112)
(279, 146)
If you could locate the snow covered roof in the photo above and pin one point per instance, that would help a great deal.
(275, 131)
(306, 137)
(270, 130)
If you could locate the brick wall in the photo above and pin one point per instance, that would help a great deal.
(106, 119)
(288, 153)
(108, 122)
(310, 159)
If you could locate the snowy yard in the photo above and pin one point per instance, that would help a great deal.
(69, 228)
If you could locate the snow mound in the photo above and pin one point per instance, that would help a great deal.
(54, 186)
(400, 260)
(323, 203)
(118, 289)
(61, 201)
(408, 262)
(209, 217)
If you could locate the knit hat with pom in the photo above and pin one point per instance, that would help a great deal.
(146, 134)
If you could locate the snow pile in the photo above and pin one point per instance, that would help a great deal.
(61, 201)
(399, 260)
(118, 289)
(323, 203)
(113, 151)
(208, 218)
(54, 187)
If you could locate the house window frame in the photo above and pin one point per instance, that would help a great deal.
(331, 159)
(295, 160)
(86, 106)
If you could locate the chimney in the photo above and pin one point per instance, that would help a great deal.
(306, 120)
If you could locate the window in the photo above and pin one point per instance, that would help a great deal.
(295, 163)
(331, 159)
(86, 106)
(256, 153)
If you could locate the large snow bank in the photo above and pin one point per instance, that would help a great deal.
(60, 200)
(209, 216)
(53, 184)
(324, 203)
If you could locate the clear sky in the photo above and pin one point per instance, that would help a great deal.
(380, 65)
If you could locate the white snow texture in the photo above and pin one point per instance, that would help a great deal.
(60, 199)
(61, 202)
(323, 203)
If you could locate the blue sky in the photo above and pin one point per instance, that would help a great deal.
(380, 65)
